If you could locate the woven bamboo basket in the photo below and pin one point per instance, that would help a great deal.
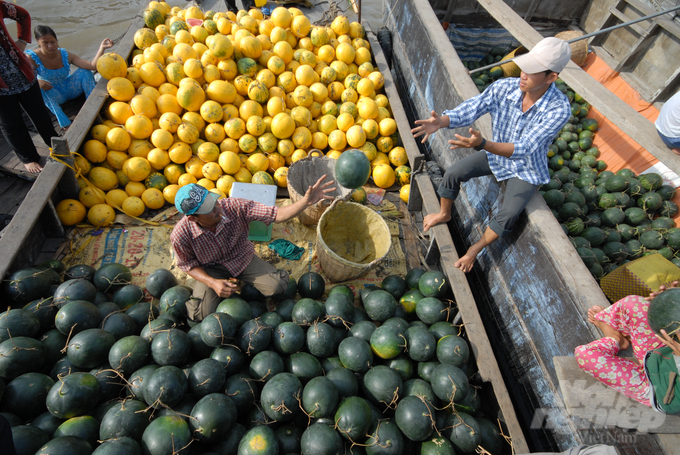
(304, 173)
(510, 69)
(579, 49)
(351, 239)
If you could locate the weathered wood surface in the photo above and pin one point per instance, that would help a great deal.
(616, 110)
(540, 10)
(477, 336)
(531, 287)
(590, 399)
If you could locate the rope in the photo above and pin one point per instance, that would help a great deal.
(329, 16)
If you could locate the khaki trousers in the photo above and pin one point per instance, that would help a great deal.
(265, 277)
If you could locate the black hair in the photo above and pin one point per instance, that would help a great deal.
(549, 72)
(42, 30)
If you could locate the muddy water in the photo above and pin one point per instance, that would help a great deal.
(81, 25)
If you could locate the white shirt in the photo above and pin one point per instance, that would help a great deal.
(668, 122)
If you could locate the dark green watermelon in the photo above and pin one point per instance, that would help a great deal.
(421, 345)
(205, 377)
(320, 397)
(73, 395)
(652, 240)
(307, 311)
(388, 341)
(128, 418)
(66, 445)
(385, 437)
(45, 310)
(110, 277)
(311, 285)
(171, 348)
(21, 355)
(339, 308)
(120, 325)
(669, 209)
(25, 395)
(85, 427)
(119, 446)
(111, 383)
(47, 422)
(449, 383)
(463, 432)
(303, 365)
(253, 336)
(492, 439)
(664, 312)
(321, 340)
(650, 201)
(342, 289)
(79, 289)
(212, 417)
(288, 338)
(413, 277)
(433, 284)
(265, 365)
(272, 319)
(417, 387)
(650, 181)
(355, 354)
(453, 349)
(173, 301)
(363, 330)
(157, 326)
(353, 418)
(242, 390)
(18, 323)
(594, 235)
(437, 445)
(635, 216)
(28, 439)
(382, 386)
(90, 348)
(218, 329)
(321, 439)
(380, 305)
(166, 435)
(613, 216)
(159, 281)
(139, 378)
(76, 316)
(231, 357)
(128, 295)
(129, 354)
(29, 284)
(80, 271)
(237, 308)
(403, 365)
(278, 397)
(431, 310)
(165, 386)
(345, 381)
(395, 285)
(441, 329)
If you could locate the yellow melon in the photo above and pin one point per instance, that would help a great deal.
(139, 126)
(70, 212)
(152, 74)
(116, 197)
(235, 128)
(283, 126)
(247, 143)
(302, 137)
(224, 183)
(170, 121)
(91, 196)
(211, 111)
(383, 176)
(162, 139)
(229, 162)
(116, 159)
(214, 133)
(281, 177)
(243, 175)
(101, 215)
(82, 165)
(186, 179)
(133, 206)
(111, 65)
(169, 193)
(187, 133)
(99, 131)
(117, 139)
(94, 151)
(258, 91)
(356, 136)
(281, 17)
(120, 88)
(190, 97)
(337, 140)
(221, 91)
(158, 159)
(384, 144)
(137, 168)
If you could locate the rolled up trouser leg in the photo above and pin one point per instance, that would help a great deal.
(204, 299)
(516, 197)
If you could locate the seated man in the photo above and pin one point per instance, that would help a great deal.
(211, 244)
(668, 123)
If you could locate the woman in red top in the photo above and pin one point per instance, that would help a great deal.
(19, 89)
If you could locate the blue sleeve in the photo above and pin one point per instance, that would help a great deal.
(469, 111)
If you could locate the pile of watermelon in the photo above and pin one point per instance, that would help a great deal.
(90, 363)
(610, 218)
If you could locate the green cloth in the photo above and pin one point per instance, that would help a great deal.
(286, 249)
(660, 364)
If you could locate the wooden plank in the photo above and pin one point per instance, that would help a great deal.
(623, 18)
(636, 52)
(591, 400)
(411, 244)
(479, 341)
(611, 106)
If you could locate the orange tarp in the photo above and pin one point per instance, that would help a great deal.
(617, 149)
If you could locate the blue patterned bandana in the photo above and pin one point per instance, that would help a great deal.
(193, 199)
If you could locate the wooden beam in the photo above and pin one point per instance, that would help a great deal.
(611, 106)
(479, 340)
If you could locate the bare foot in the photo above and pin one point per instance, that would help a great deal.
(466, 262)
(33, 168)
(434, 219)
(606, 329)
(676, 151)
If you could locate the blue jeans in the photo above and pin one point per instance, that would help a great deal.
(671, 142)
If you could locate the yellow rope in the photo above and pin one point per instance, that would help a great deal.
(56, 157)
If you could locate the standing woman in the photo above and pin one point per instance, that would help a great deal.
(54, 68)
(18, 89)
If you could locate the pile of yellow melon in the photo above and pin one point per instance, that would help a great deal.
(218, 98)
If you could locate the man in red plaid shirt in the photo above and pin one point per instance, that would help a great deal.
(211, 244)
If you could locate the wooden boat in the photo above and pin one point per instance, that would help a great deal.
(531, 288)
(36, 222)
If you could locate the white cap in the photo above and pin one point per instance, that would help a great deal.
(549, 54)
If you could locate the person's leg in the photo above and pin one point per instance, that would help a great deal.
(265, 277)
(15, 132)
(672, 143)
(600, 360)
(32, 102)
(204, 300)
(628, 316)
(515, 199)
(84, 79)
(475, 165)
(57, 96)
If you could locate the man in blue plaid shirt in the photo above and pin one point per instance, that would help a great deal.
(526, 115)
